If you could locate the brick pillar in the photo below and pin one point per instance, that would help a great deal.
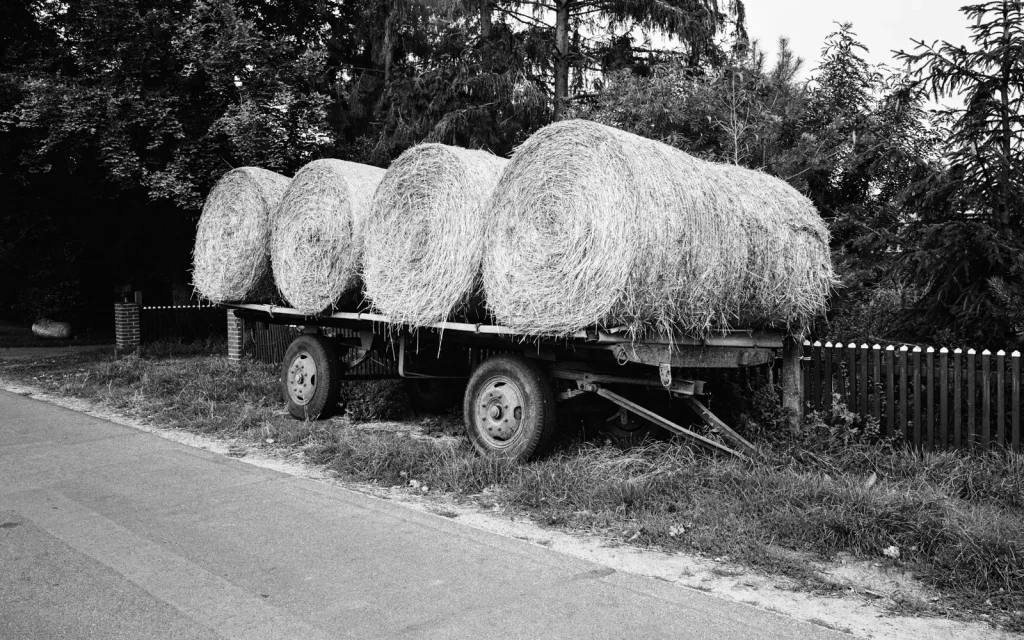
(126, 326)
(235, 333)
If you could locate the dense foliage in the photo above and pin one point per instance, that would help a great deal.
(116, 116)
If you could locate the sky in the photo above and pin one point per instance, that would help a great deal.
(882, 25)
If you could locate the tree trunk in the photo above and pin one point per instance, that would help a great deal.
(485, 19)
(561, 56)
(388, 46)
(1007, 133)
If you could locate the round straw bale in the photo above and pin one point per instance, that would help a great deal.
(596, 226)
(789, 265)
(46, 328)
(316, 242)
(231, 254)
(425, 233)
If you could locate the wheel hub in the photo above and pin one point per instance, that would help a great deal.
(302, 378)
(500, 409)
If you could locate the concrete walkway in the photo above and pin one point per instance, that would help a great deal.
(108, 532)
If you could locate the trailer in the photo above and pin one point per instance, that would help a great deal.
(514, 386)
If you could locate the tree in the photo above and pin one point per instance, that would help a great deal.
(585, 31)
(963, 241)
(113, 132)
(741, 112)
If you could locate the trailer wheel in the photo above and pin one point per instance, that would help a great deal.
(627, 430)
(309, 377)
(433, 395)
(509, 408)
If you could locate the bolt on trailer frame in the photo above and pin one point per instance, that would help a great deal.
(516, 380)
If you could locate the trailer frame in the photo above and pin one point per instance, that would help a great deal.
(593, 362)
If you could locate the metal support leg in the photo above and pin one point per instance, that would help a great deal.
(664, 423)
(715, 422)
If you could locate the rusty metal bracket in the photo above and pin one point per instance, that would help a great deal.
(678, 387)
(664, 423)
(665, 373)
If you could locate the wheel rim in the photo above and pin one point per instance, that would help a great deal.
(500, 410)
(302, 378)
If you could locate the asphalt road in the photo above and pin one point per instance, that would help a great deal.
(108, 532)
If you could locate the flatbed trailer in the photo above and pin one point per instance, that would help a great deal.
(515, 384)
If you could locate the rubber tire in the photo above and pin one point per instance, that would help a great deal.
(538, 426)
(327, 392)
(433, 395)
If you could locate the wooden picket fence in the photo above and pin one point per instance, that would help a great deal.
(934, 399)
(197, 321)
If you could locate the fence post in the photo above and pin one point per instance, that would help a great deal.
(904, 400)
(972, 396)
(792, 349)
(816, 380)
(235, 333)
(986, 398)
(944, 397)
(958, 384)
(1001, 398)
(851, 375)
(928, 430)
(806, 374)
(890, 396)
(127, 332)
(827, 379)
(876, 372)
(1015, 399)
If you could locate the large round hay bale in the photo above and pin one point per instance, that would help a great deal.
(595, 226)
(316, 242)
(232, 250)
(425, 233)
(789, 265)
(46, 328)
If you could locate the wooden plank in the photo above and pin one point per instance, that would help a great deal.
(864, 380)
(972, 394)
(928, 428)
(805, 378)
(827, 389)
(1015, 399)
(944, 398)
(890, 396)
(918, 418)
(958, 409)
(851, 375)
(1001, 398)
(838, 360)
(791, 387)
(816, 381)
(985, 428)
(904, 401)
(876, 387)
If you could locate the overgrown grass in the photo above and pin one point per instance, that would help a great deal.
(955, 517)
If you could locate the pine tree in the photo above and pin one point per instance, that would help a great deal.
(986, 134)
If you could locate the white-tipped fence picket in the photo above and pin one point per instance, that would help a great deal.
(933, 399)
